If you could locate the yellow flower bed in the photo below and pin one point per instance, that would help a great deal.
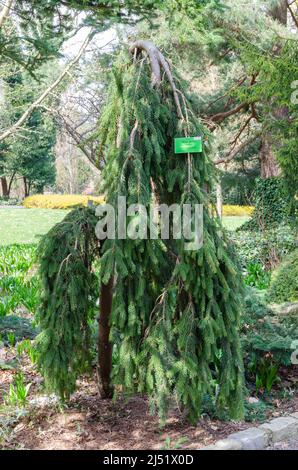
(69, 201)
(57, 201)
(237, 210)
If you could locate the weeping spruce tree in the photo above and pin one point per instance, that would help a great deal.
(170, 315)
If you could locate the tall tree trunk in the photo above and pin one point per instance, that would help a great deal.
(10, 182)
(279, 11)
(26, 187)
(105, 347)
(269, 165)
(4, 185)
(219, 199)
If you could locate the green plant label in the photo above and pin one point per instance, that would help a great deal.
(188, 144)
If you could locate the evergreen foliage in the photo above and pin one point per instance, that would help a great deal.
(272, 202)
(263, 333)
(69, 293)
(284, 284)
(176, 313)
(29, 155)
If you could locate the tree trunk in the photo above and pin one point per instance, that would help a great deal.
(105, 347)
(219, 200)
(269, 165)
(10, 182)
(26, 187)
(5, 190)
(279, 11)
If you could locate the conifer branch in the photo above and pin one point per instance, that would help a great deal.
(152, 52)
(158, 61)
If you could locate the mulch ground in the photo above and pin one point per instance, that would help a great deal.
(88, 422)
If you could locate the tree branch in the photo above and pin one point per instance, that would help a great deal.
(293, 16)
(152, 52)
(230, 156)
(14, 128)
(221, 116)
(78, 137)
(5, 11)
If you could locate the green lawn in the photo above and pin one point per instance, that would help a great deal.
(28, 225)
(232, 223)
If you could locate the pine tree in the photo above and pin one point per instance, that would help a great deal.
(174, 313)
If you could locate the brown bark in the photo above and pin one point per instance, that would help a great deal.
(222, 116)
(4, 185)
(158, 62)
(269, 165)
(280, 11)
(10, 182)
(105, 347)
(26, 186)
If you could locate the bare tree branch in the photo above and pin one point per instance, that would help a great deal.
(221, 116)
(230, 156)
(293, 16)
(5, 11)
(14, 128)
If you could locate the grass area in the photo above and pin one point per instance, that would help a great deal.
(27, 225)
(234, 222)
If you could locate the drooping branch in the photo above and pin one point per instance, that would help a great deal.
(158, 62)
(169, 75)
(153, 54)
(14, 128)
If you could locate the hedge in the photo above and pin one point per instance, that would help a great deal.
(57, 201)
(284, 283)
(69, 201)
(229, 210)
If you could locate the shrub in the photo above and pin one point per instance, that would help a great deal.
(273, 205)
(266, 341)
(284, 284)
(57, 201)
(266, 248)
(4, 201)
(229, 210)
(20, 327)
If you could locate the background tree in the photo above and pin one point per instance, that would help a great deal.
(29, 154)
